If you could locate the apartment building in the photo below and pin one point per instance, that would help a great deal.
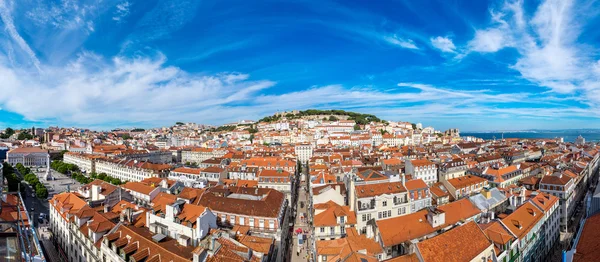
(197, 177)
(379, 201)
(550, 205)
(142, 194)
(303, 152)
(270, 163)
(85, 162)
(158, 156)
(199, 154)
(331, 220)
(131, 170)
(353, 247)
(463, 243)
(261, 209)
(398, 235)
(452, 169)
(77, 227)
(184, 222)
(525, 223)
(561, 185)
(499, 176)
(465, 186)
(127, 243)
(242, 172)
(422, 169)
(420, 196)
(505, 246)
(279, 180)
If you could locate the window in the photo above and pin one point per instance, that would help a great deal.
(384, 203)
(322, 229)
(389, 212)
(332, 230)
(364, 217)
(379, 215)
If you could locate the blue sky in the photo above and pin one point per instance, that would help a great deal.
(474, 65)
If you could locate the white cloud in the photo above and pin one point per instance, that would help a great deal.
(401, 42)
(5, 15)
(64, 14)
(490, 40)
(122, 10)
(444, 44)
(547, 42)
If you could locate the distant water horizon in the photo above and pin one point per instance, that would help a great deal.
(567, 135)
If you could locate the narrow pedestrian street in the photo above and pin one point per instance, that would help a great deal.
(302, 240)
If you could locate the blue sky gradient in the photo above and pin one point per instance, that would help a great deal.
(474, 65)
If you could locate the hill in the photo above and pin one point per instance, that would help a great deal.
(331, 115)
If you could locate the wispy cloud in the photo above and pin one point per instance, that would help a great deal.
(166, 17)
(547, 42)
(63, 14)
(5, 14)
(444, 44)
(121, 11)
(401, 42)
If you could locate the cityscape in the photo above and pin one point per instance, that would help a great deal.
(312, 185)
(299, 131)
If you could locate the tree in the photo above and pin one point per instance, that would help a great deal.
(41, 191)
(126, 137)
(7, 133)
(414, 126)
(383, 132)
(356, 127)
(251, 138)
(24, 136)
(178, 123)
(333, 118)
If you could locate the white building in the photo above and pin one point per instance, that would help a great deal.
(187, 223)
(562, 186)
(279, 180)
(85, 162)
(303, 152)
(199, 154)
(28, 156)
(378, 201)
(131, 170)
(142, 194)
(422, 169)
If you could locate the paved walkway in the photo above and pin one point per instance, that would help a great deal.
(301, 223)
(46, 241)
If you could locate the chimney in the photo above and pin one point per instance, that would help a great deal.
(403, 180)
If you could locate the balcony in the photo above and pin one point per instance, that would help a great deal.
(400, 201)
(365, 207)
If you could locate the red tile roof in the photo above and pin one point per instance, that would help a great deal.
(463, 243)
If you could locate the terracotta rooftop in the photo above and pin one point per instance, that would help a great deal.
(588, 247)
(463, 243)
(371, 190)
